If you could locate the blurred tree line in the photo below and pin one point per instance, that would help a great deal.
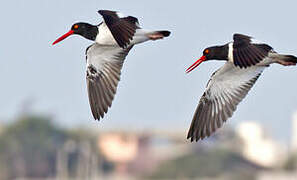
(29, 147)
(291, 164)
(34, 147)
(210, 163)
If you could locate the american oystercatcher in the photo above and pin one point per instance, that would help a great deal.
(246, 59)
(113, 39)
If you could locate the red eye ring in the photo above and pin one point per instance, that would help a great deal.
(75, 26)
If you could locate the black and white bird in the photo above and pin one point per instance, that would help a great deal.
(246, 59)
(113, 39)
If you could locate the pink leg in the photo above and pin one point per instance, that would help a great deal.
(156, 36)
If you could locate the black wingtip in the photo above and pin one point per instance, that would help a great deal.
(192, 138)
(165, 33)
(236, 35)
(100, 12)
(103, 12)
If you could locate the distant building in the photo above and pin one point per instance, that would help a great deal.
(118, 148)
(258, 148)
(139, 153)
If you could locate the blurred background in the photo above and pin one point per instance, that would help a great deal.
(46, 127)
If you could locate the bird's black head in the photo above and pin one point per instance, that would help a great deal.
(210, 53)
(216, 52)
(84, 29)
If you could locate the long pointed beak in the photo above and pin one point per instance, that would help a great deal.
(63, 37)
(193, 66)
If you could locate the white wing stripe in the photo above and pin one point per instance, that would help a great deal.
(230, 52)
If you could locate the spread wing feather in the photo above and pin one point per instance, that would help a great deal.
(225, 90)
(104, 64)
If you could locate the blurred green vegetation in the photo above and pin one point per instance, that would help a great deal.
(29, 146)
(291, 164)
(32, 145)
(207, 163)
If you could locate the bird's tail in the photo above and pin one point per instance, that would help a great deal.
(287, 60)
(158, 35)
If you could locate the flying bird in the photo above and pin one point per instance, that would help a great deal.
(246, 59)
(113, 39)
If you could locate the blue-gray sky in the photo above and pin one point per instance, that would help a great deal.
(154, 91)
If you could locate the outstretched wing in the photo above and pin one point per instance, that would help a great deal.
(226, 88)
(122, 28)
(104, 64)
(246, 52)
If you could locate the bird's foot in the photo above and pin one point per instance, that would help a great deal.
(156, 36)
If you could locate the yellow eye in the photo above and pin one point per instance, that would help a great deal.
(75, 26)
(206, 51)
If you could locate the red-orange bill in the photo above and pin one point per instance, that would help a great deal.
(63, 37)
(193, 66)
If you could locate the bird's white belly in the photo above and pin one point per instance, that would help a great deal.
(230, 52)
(104, 36)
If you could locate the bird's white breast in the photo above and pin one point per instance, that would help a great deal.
(230, 52)
(104, 36)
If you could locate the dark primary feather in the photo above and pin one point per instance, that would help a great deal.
(245, 53)
(102, 88)
(122, 29)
